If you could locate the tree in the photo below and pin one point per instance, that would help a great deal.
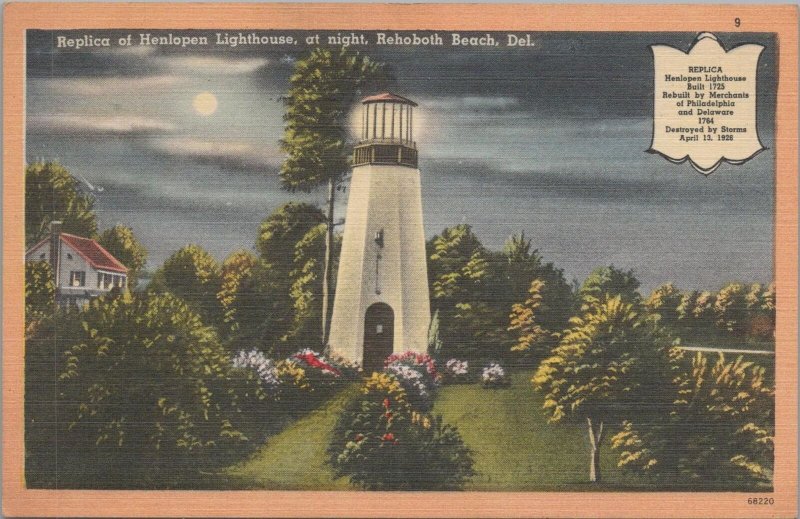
(243, 294)
(760, 303)
(40, 290)
(462, 281)
(703, 310)
(762, 319)
(718, 429)
(282, 230)
(730, 309)
(665, 302)
(51, 194)
(606, 283)
(307, 283)
(598, 373)
(194, 275)
(434, 340)
(524, 320)
(322, 90)
(306, 290)
(123, 245)
(521, 266)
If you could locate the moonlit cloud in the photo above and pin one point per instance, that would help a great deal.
(119, 85)
(230, 155)
(72, 124)
(214, 65)
(480, 103)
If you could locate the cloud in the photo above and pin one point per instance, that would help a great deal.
(213, 64)
(473, 103)
(229, 155)
(109, 85)
(521, 140)
(71, 124)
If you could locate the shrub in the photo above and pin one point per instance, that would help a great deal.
(718, 430)
(494, 376)
(292, 375)
(380, 443)
(145, 389)
(40, 291)
(456, 371)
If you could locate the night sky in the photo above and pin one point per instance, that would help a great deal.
(548, 139)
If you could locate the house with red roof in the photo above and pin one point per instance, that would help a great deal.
(83, 268)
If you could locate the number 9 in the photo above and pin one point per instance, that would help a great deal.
(737, 22)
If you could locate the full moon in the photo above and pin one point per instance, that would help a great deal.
(205, 103)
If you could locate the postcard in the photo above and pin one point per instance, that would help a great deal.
(383, 260)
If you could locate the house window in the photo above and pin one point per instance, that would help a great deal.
(99, 280)
(42, 256)
(69, 256)
(77, 278)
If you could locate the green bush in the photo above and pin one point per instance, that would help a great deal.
(381, 443)
(140, 389)
(40, 291)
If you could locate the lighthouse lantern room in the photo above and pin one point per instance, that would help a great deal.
(382, 303)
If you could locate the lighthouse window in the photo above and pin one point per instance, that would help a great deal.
(379, 328)
(375, 121)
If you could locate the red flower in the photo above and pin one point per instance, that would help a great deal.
(359, 437)
(314, 362)
(386, 403)
(388, 437)
(388, 414)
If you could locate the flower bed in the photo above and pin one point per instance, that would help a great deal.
(418, 376)
(415, 360)
(297, 381)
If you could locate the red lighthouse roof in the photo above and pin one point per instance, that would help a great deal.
(388, 97)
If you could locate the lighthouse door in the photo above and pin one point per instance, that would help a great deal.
(378, 336)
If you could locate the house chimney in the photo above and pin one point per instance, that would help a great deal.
(55, 249)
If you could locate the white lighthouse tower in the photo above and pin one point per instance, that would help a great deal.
(381, 305)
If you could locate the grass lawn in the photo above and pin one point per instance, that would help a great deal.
(514, 447)
(293, 459)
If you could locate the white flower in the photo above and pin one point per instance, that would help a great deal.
(409, 378)
(457, 367)
(493, 373)
(261, 364)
